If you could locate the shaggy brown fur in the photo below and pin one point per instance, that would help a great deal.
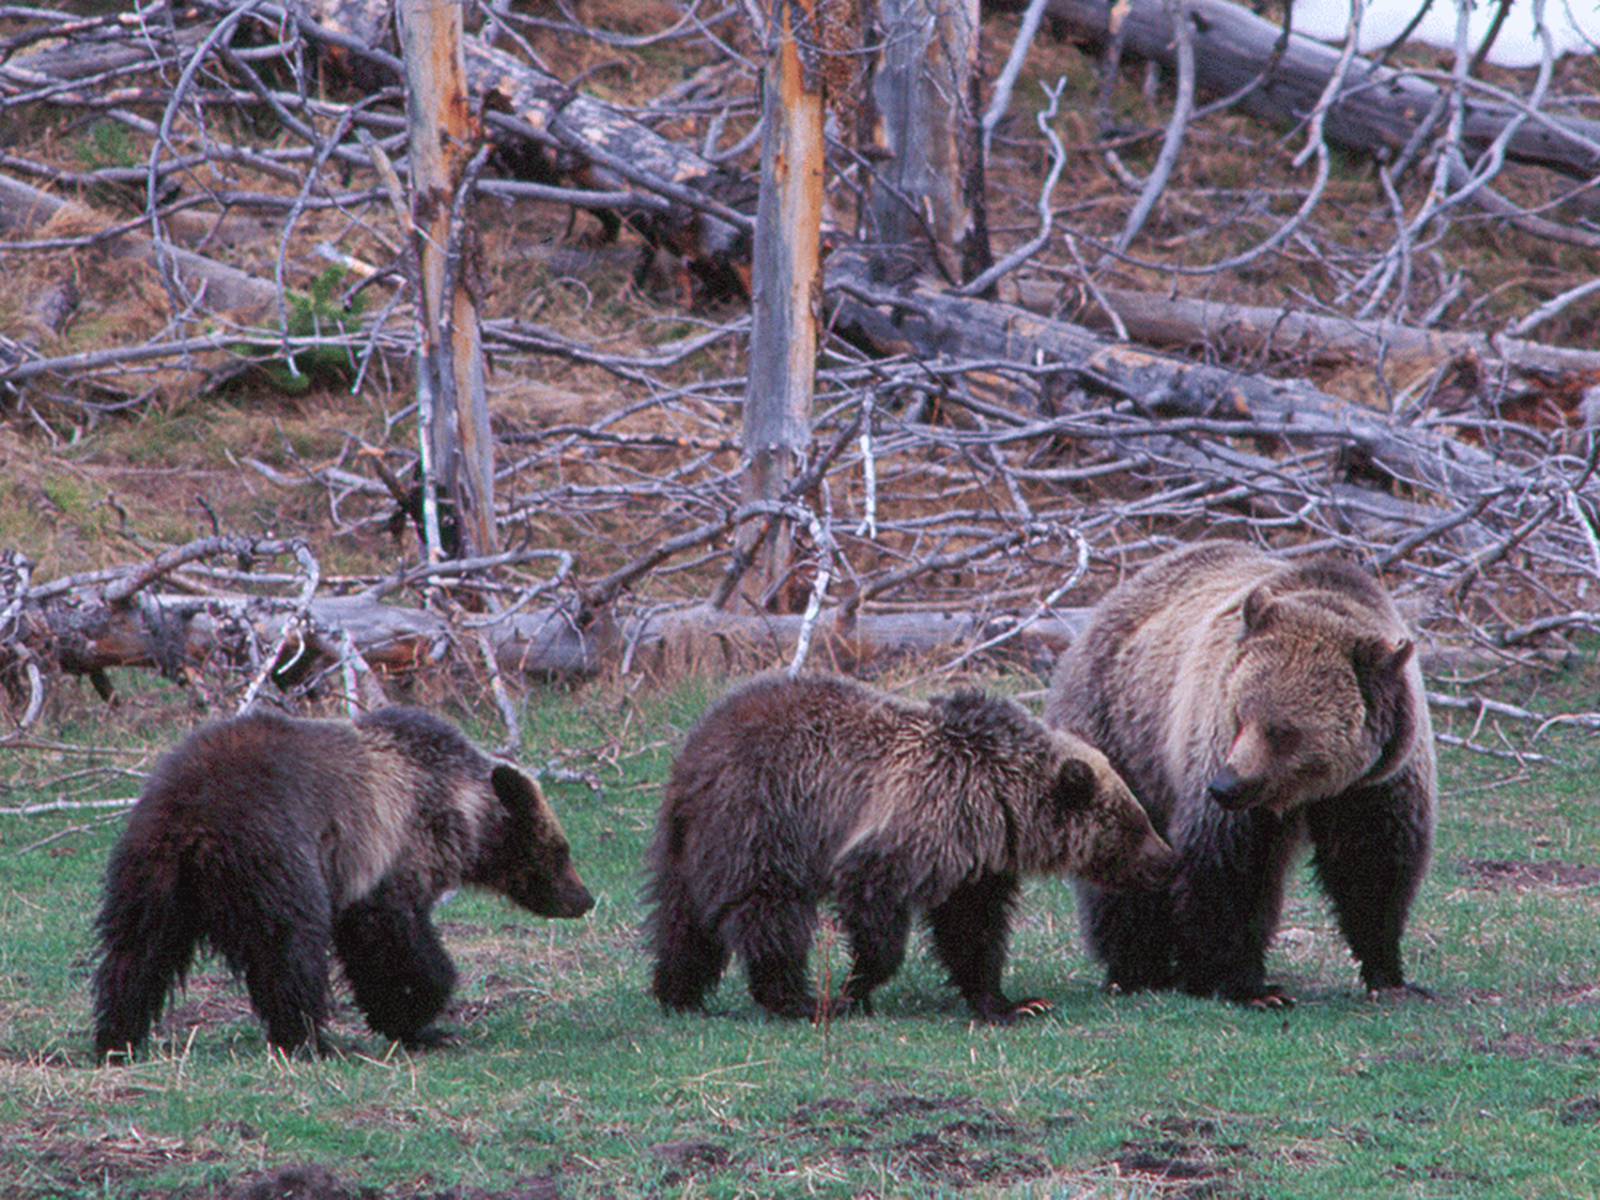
(277, 840)
(791, 790)
(1255, 704)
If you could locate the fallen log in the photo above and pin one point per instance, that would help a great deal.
(918, 317)
(192, 638)
(24, 207)
(1257, 329)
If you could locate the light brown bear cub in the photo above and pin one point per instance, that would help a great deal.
(792, 790)
(1254, 704)
(278, 840)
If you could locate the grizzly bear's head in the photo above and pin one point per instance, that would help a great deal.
(1315, 703)
(1098, 831)
(529, 861)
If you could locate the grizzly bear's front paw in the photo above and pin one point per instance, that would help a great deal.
(997, 1010)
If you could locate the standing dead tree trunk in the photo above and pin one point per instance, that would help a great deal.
(928, 189)
(786, 282)
(453, 406)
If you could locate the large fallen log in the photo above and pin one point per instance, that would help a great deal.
(918, 316)
(1376, 110)
(1283, 332)
(198, 638)
(24, 207)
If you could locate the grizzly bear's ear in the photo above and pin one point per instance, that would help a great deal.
(1257, 611)
(520, 795)
(1074, 787)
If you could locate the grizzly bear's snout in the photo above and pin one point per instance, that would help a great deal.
(1153, 864)
(1232, 791)
(571, 898)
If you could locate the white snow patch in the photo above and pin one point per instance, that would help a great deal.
(1574, 25)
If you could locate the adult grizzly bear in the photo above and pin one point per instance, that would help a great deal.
(275, 840)
(790, 790)
(1254, 703)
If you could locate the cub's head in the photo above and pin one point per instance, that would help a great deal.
(1315, 704)
(1096, 829)
(530, 862)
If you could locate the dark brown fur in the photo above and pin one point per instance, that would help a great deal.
(792, 790)
(276, 840)
(1254, 704)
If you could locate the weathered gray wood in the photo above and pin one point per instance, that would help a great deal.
(1185, 321)
(176, 633)
(24, 207)
(1377, 108)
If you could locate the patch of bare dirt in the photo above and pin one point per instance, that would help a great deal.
(1498, 874)
(967, 1153)
(313, 1181)
(57, 1163)
(690, 1159)
(1582, 1112)
(1184, 1158)
(1521, 1046)
(977, 1148)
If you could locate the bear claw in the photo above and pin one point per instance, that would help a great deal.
(1005, 1012)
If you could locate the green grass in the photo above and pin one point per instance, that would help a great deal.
(567, 1072)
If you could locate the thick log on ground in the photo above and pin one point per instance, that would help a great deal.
(23, 207)
(1377, 109)
(1257, 329)
(183, 636)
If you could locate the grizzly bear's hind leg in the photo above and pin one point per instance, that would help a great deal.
(149, 935)
(396, 965)
(970, 929)
(690, 958)
(271, 921)
(1370, 852)
(869, 895)
(287, 979)
(772, 934)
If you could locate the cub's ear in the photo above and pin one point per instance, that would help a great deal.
(520, 795)
(1074, 787)
(1377, 659)
(1257, 612)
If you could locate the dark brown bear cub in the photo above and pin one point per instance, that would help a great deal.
(276, 840)
(1254, 704)
(792, 790)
